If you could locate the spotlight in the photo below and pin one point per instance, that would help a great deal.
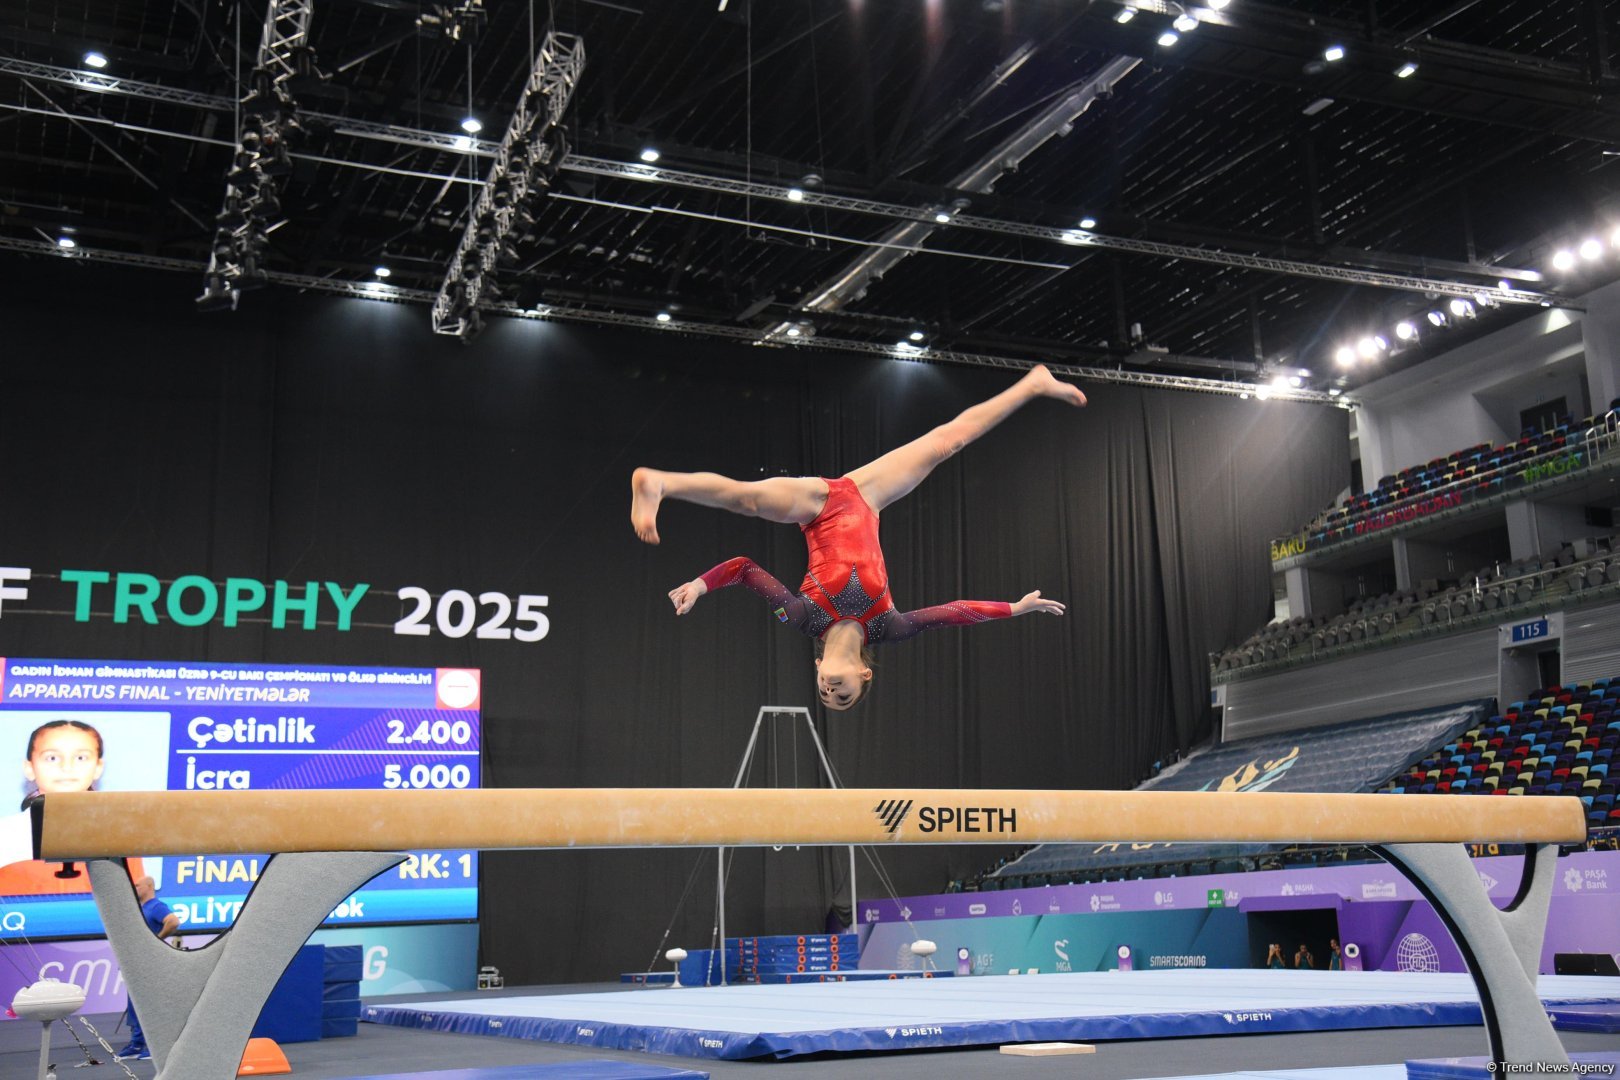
(1367, 348)
(942, 218)
(1332, 53)
(663, 316)
(1218, 5)
(649, 155)
(1263, 391)
(1406, 331)
(1185, 22)
(66, 243)
(1168, 38)
(793, 331)
(1437, 318)
(1243, 396)
(1505, 285)
(1461, 308)
(1334, 391)
(1071, 236)
(1591, 248)
(795, 195)
(1296, 382)
(472, 125)
(1126, 14)
(383, 271)
(1406, 70)
(95, 60)
(1564, 259)
(916, 335)
(1382, 342)
(463, 142)
(1345, 357)
(1088, 222)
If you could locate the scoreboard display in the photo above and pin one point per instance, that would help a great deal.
(73, 725)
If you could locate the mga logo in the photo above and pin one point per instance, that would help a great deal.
(892, 812)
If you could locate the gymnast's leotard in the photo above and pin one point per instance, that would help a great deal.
(846, 579)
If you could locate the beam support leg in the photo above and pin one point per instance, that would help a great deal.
(198, 1008)
(1501, 947)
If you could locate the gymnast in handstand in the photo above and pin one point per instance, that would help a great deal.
(844, 600)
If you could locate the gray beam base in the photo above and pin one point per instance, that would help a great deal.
(1501, 947)
(199, 1007)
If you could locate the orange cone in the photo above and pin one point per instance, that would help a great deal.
(263, 1057)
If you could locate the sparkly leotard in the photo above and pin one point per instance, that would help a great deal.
(846, 579)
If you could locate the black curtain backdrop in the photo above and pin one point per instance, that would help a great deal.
(318, 438)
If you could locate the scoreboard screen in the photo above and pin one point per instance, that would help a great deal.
(117, 725)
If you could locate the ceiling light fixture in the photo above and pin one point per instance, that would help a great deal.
(649, 155)
(793, 331)
(1367, 348)
(66, 243)
(1461, 308)
(1591, 248)
(1168, 38)
(1218, 5)
(1126, 14)
(1563, 259)
(942, 217)
(916, 335)
(1437, 318)
(1406, 331)
(1185, 22)
(662, 316)
(1345, 357)
(472, 125)
(795, 195)
(383, 271)
(95, 60)
(1333, 53)
(1088, 222)
(1406, 70)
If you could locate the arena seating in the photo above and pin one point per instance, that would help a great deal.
(1579, 571)
(1560, 741)
(1472, 473)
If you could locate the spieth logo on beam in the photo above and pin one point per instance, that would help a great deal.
(930, 819)
(892, 812)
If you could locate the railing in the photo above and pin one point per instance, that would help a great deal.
(1597, 442)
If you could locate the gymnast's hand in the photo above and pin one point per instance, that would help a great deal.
(1033, 602)
(684, 596)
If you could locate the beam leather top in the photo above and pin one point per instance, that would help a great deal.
(111, 824)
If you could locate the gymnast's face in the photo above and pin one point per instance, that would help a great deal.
(64, 759)
(841, 683)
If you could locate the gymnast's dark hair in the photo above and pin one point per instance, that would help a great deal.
(49, 724)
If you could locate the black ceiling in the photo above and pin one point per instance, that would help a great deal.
(1495, 153)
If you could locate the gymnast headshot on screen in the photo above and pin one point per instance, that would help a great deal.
(844, 600)
(63, 755)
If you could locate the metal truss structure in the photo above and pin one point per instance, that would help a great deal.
(529, 155)
(740, 334)
(466, 146)
(284, 49)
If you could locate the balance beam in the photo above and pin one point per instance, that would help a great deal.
(198, 1007)
(113, 824)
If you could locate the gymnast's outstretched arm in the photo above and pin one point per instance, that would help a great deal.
(745, 572)
(904, 626)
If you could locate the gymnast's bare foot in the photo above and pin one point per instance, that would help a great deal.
(646, 492)
(1044, 383)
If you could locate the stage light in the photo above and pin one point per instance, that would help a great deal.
(649, 155)
(795, 195)
(942, 218)
(1345, 357)
(1185, 22)
(916, 335)
(1126, 14)
(1505, 285)
(1591, 248)
(383, 271)
(1406, 331)
(1168, 38)
(1438, 318)
(663, 316)
(793, 331)
(463, 142)
(1263, 392)
(1218, 5)
(1071, 236)
(66, 243)
(1367, 348)
(1461, 308)
(1333, 53)
(1406, 70)
(1243, 396)
(1563, 259)
(95, 60)
(472, 125)
(1382, 342)
(1334, 391)
(1088, 223)
(1296, 382)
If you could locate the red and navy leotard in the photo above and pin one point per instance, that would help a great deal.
(846, 579)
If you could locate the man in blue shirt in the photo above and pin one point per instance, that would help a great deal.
(165, 924)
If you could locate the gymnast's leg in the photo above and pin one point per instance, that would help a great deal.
(795, 499)
(892, 476)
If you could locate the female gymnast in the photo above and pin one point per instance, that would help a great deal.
(844, 600)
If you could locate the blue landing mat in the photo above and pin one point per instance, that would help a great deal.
(734, 1023)
(1600, 1063)
(568, 1070)
(1600, 1018)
